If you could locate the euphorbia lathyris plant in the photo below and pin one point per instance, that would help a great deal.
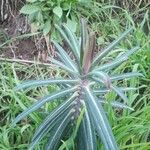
(82, 92)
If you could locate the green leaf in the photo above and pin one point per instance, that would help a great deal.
(89, 132)
(84, 38)
(52, 120)
(72, 25)
(58, 11)
(100, 121)
(69, 143)
(33, 83)
(120, 93)
(82, 137)
(105, 90)
(101, 77)
(48, 128)
(72, 137)
(66, 6)
(63, 66)
(100, 40)
(55, 114)
(47, 27)
(85, 1)
(88, 53)
(125, 76)
(54, 140)
(86, 134)
(62, 33)
(29, 9)
(102, 54)
(69, 42)
(41, 102)
(116, 104)
(73, 40)
(109, 66)
(65, 56)
(117, 61)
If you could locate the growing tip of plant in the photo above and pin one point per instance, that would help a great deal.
(88, 53)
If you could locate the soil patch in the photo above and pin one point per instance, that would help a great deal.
(11, 27)
(24, 49)
(20, 49)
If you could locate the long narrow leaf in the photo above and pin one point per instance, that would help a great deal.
(113, 64)
(102, 77)
(38, 104)
(66, 57)
(110, 47)
(125, 76)
(89, 132)
(63, 34)
(46, 128)
(73, 40)
(55, 113)
(101, 120)
(117, 61)
(53, 116)
(88, 53)
(94, 132)
(82, 137)
(116, 104)
(120, 93)
(55, 139)
(61, 65)
(84, 38)
(98, 130)
(69, 142)
(105, 90)
(33, 83)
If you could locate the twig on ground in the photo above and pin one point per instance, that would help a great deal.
(27, 62)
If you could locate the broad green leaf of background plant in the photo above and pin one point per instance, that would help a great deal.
(72, 25)
(29, 9)
(47, 27)
(58, 11)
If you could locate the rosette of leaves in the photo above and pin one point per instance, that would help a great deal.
(82, 92)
